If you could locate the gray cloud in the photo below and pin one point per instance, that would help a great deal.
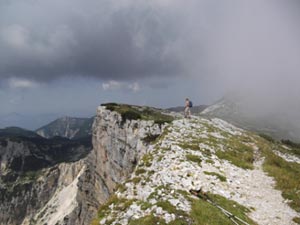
(49, 39)
(252, 46)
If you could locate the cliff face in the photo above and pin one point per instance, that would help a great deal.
(117, 146)
(70, 191)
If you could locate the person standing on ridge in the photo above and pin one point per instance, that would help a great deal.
(187, 110)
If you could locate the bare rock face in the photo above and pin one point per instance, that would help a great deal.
(69, 191)
(117, 147)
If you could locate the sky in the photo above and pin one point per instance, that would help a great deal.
(67, 57)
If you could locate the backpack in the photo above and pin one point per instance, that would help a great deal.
(190, 104)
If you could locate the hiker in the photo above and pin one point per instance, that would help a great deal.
(187, 110)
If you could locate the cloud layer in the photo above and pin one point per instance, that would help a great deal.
(252, 46)
(44, 40)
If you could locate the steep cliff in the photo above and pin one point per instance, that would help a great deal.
(66, 187)
(117, 147)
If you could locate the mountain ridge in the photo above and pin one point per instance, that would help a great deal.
(228, 163)
(141, 168)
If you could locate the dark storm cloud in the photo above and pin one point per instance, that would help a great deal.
(44, 40)
(233, 44)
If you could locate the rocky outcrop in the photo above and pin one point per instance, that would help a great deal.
(66, 183)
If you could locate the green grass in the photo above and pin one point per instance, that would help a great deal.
(120, 204)
(148, 220)
(286, 174)
(135, 180)
(194, 158)
(147, 160)
(296, 220)
(209, 161)
(140, 171)
(294, 147)
(144, 205)
(191, 146)
(267, 137)
(219, 176)
(205, 213)
(237, 153)
(181, 216)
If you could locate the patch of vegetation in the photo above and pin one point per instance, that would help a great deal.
(290, 143)
(150, 138)
(160, 158)
(219, 176)
(296, 220)
(286, 174)
(205, 213)
(30, 176)
(120, 204)
(237, 153)
(130, 112)
(209, 161)
(144, 205)
(147, 160)
(234, 158)
(182, 217)
(148, 220)
(135, 180)
(191, 145)
(121, 188)
(140, 171)
(167, 206)
(194, 158)
(295, 146)
(267, 137)
(206, 152)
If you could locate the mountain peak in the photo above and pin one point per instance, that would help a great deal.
(68, 127)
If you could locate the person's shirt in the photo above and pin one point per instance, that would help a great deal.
(187, 103)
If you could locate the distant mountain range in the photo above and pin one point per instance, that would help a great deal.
(68, 127)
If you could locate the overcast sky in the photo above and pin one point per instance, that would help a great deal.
(67, 57)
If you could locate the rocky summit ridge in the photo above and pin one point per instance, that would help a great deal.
(140, 169)
(234, 167)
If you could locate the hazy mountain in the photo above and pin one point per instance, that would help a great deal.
(30, 122)
(17, 132)
(236, 111)
(69, 127)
